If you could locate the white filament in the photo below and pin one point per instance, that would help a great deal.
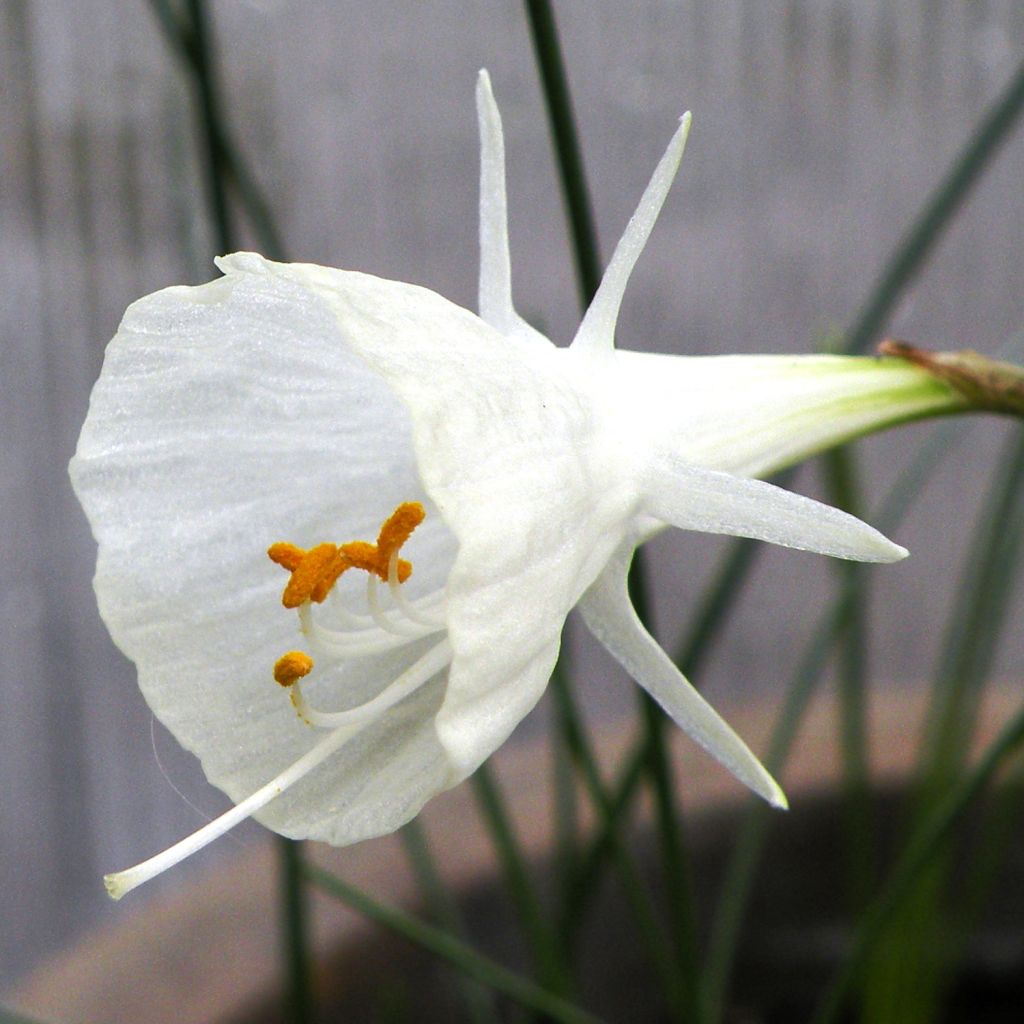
(380, 631)
(341, 643)
(422, 614)
(408, 682)
(383, 620)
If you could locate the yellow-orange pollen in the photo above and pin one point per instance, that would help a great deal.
(291, 667)
(313, 573)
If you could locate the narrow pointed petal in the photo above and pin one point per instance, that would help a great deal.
(609, 615)
(692, 498)
(597, 332)
(495, 271)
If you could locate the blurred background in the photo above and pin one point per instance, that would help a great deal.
(820, 127)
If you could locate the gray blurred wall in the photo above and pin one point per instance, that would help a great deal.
(819, 127)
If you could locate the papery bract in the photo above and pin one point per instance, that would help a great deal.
(289, 402)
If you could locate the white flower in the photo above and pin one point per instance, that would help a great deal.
(303, 405)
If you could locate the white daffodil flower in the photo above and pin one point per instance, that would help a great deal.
(301, 407)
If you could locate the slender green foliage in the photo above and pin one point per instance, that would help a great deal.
(927, 842)
(548, 53)
(741, 869)
(567, 808)
(449, 948)
(294, 932)
(540, 936)
(630, 877)
(910, 966)
(204, 74)
(477, 1000)
(937, 214)
(190, 49)
(852, 662)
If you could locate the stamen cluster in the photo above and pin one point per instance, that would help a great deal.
(313, 574)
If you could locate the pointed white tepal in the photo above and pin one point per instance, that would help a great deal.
(597, 332)
(495, 269)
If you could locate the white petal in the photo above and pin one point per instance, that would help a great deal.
(597, 332)
(693, 498)
(495, 272)
(496, 308)
(228, 417)
(609, 615)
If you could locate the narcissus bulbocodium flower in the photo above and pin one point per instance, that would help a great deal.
(440, 489)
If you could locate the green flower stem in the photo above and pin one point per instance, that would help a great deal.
(205, 80)
(567, 809)
(548, 54)
(190, 48)
(936, 215)
(477, 1001)
(926, 842)
(294, 932)
(675, 860)
(447, 947)
(858, 849)
(541, 939)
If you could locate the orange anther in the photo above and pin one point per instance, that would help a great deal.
(288, 556)
(329, 576)
(307, 574)
(314, 572)
(398, 528)
(291, 667)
